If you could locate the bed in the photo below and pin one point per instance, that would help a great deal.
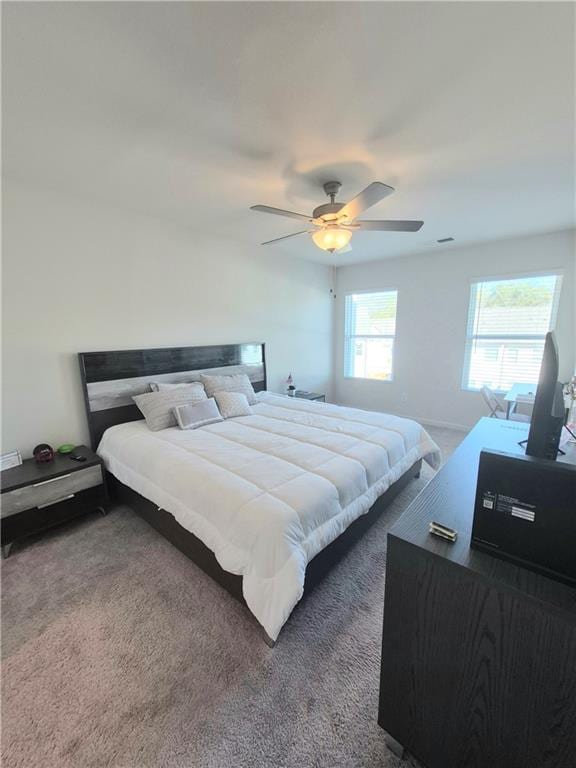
(264, 503)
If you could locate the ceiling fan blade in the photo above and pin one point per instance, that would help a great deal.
(285, 237)
(368, 197)
(346, 249)
(388, 226)
(281, 212)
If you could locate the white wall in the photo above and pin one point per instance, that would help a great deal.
(79, 277)
(431, 323)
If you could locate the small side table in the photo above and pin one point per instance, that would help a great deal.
(303, 395)
(36, 497)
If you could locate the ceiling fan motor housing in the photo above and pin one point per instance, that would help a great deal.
(327, 211)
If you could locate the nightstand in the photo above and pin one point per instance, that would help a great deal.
(39, 496)
(303, 395)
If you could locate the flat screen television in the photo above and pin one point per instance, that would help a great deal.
(548, 412)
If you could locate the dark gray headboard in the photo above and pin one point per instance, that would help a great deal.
(109, 379)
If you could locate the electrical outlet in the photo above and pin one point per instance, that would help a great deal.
(404, 397)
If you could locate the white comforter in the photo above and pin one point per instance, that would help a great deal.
(267, 492)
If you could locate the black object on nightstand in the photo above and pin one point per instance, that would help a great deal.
(39, 496)
(303, 395)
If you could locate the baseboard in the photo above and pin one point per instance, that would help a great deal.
(431, 422)
(435, 423)
(420, 419)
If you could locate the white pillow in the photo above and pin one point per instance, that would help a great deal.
(164, 386)
(232, 404)
(158, 407)
(194, 415)
(239, 382)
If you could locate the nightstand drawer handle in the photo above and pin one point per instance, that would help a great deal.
(52, 480)
(57, 501)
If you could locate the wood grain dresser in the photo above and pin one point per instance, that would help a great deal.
(478, 654)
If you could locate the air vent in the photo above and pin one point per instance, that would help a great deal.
(446, 240)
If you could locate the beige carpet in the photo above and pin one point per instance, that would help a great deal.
(118, 651)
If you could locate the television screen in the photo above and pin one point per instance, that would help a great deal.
(548, 413)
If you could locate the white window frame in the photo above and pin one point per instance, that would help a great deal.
(372, 336)
(470, 336)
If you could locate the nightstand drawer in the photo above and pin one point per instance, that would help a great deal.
(47, 492)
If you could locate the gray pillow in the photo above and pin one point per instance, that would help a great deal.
(162, 386)
(239, 382)
(233, 404)
(158, 407)
(196, 415)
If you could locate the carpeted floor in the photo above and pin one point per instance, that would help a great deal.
(118, 651)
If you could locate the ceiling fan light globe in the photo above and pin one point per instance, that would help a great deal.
(332, 238)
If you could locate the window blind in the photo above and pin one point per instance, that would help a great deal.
(369, 331)
(507, 322)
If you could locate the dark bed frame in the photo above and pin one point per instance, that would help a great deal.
(109, 381)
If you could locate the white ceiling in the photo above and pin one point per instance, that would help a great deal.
(195, 111)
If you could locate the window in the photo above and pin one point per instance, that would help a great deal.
(369, 330)
(507, 322)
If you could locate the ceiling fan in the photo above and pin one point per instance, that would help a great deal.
(334, 223)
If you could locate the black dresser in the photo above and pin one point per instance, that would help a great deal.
(478, 654)
(39, 496)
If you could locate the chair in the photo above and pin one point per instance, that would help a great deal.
(497, 410)
(522, 411)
